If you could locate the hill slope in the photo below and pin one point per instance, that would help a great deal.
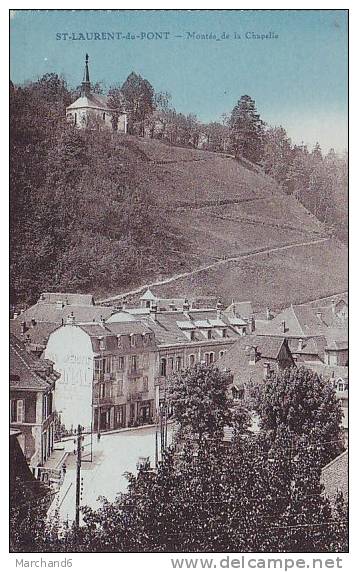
(222, 209)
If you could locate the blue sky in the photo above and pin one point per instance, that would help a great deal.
(298, 80)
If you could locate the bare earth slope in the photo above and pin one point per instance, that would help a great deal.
(223, 209)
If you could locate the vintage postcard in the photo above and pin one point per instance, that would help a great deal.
(178, 285)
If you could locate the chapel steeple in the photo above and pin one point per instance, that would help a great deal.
(86, 85)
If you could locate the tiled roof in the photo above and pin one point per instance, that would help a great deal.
(335, 476)
(148, 295)
(93, 100)
(36, 334)
(26, 371)
(300, 321)
(310, 346)
(67, 298)
(44, 312)
(236, 359)
(121, 316)
(239, 309)
(329, 371)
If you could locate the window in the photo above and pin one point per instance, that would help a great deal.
(98, 367)
(340, 386)
(211, 357)
(102, 390)
(120, 387)
(104, 117)
(145, 383)
(75, 118)
(145, 360)
(178, 363)
(222, 352)
(17, 410)
(120, 362)
(192, 336)
(20, 410)
(191, 360)
(171, 363)
(132, 340)
(163, 367)
(210, 334)
(134, 363)
(224, 333)
(108, 364)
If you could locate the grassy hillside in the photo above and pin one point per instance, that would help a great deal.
(220, 209)
(276, 279)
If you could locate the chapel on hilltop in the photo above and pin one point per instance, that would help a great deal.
(93, 110)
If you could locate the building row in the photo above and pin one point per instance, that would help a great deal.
(107, 367)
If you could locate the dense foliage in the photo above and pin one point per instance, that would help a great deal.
(301, 402)
(251, 493)
(78, 219)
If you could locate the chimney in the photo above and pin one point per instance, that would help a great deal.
(153, 311)
(219, 309)
(283, 325)
(253, 355)
(268, 314)
(300, 345)
(252, 324)
(70, 319)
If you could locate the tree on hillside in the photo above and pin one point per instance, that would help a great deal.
(300, 401)
(217, 137)
(277, 154)
(246, 129)
(138, 97)
(198, 398)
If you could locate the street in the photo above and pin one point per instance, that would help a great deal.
(113, 455)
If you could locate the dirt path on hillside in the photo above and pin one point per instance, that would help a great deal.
(222, 261)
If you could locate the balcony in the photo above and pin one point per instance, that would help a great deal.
(133, 373)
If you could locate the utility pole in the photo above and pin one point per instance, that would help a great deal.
(78, 474)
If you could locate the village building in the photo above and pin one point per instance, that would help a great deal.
(107, 374)
(93, 110)
(34, 324)
(32, 385)
(334, 477)
(186, 335)
(252, 359)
